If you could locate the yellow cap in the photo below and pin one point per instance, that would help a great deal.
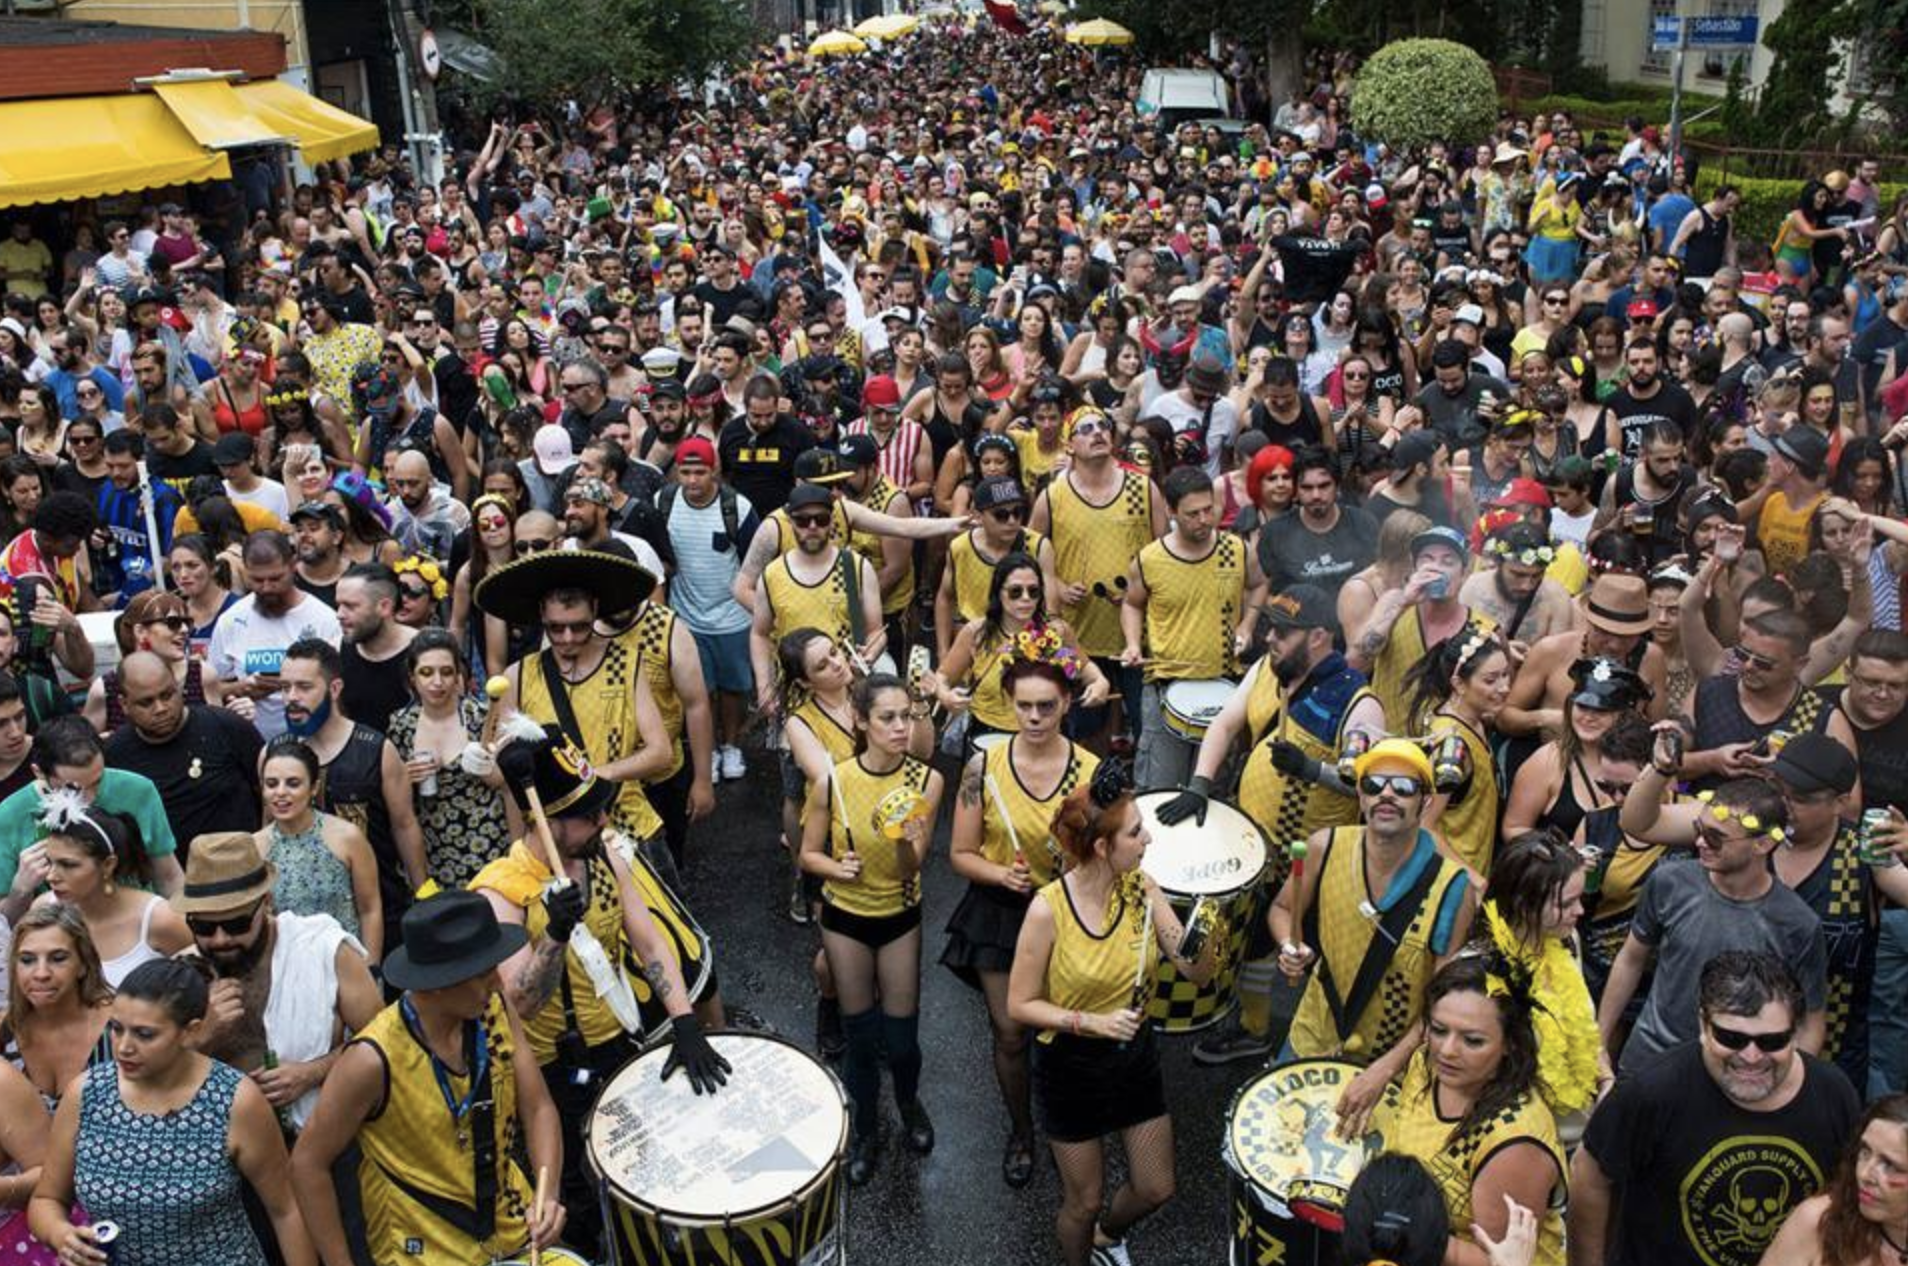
(1395, 751)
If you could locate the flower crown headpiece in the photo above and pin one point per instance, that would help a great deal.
(1529, 556)
(1477, 641)
(428, 571)
(1750, 822)
(1042, 642)
(291, 395)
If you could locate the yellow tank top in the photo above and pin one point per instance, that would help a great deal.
(1336, 927)
(1469, 825)
(822, 606)
(518, 877)
(974, 570)
(1098, 973)
(879, 496)
(605, 707)
(1783, 531)
(1031, 815)
(1093, 545)
(1036, 464)
(1411, 1124)
(652, 632)
(1403, 650)
(785, 531)
(415, 1166)
(869, 799)
(1192, 608)
(987, 698)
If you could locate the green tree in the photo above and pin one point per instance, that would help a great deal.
(1413, 92)
(1794, 104)
(592, 50)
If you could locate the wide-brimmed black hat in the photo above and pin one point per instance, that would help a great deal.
(514, 592)
(567, 785)
(448, 939)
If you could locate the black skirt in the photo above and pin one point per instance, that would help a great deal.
(983, 932)
(1088, 1087)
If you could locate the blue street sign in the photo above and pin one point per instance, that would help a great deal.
(1705, 32)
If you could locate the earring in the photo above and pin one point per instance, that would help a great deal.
(110, 889)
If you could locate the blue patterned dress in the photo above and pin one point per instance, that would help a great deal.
(311, 879)
(167, 1180)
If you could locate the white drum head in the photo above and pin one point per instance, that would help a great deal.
(1222, 856)
(751, 1146)
(990, 740)
(1198, 701)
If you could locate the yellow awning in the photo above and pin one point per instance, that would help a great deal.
(322, 130)
(216, 115)
(59, 148)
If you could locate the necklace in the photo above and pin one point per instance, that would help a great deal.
(1900, 1250)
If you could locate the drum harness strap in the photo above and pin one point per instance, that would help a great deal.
(1379, 952)
(850, 564)
(477, 1115)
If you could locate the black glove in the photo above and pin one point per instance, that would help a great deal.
(689, 1049)
(1190, 803)
(1290, 760)
(564, 908)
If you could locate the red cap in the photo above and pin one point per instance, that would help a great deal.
(1524, 492)
(695, 449)
(1642, 309)
(881, 392)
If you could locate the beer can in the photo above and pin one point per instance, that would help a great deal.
(1866, 849)
(1777, 740)
(1192, 941)
(104, 1234)
(1437, 587)
(1357, 743)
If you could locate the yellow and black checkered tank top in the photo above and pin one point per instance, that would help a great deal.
(417, 1171)
(862, 806)
(1093, 546)
(1031, 815)
(1094, 974)
(1412, 1124)
(822, 606)
(1288, 809)
(1192, 608)
(1343, 932)
(519, 877)
(785, 531)
(868, 544)
(1469, 825)
(652, 632)
(1402, 653)
(974, 570)
(605, 707)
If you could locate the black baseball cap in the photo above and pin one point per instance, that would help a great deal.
(859, 451)
(1302, 607)
(807, 494)
(997, 491)
(1815, 762)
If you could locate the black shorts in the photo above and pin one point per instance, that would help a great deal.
(1088, 1087)
(874, 931)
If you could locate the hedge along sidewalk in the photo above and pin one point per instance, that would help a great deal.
(1765, 202)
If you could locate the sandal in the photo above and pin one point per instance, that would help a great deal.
(1017, 1163)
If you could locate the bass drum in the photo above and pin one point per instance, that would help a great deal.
(687, 941)
(748, 1177)
(1287, 1171)
(1220, 864)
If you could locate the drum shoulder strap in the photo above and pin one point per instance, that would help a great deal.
(1385, 939)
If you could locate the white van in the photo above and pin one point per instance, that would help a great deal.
(1169, 97)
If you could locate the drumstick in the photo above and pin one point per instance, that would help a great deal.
(1296, 851)
(496, 688)
(1000, 807)
(536, 1212)
(550, 855)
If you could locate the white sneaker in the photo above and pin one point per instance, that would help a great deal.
(715, 767)
(729, 757)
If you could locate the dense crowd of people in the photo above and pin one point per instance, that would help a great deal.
(1506, 537)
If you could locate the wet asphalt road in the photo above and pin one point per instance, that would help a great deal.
(949, 1208)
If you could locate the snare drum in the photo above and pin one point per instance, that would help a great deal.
(1221, 864)
(687, 941)
(1188, 707)
(748, 1177)
(1287, 1169)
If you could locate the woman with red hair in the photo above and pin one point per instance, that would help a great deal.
(1270, 490)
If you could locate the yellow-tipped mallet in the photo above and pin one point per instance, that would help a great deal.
(495, 689)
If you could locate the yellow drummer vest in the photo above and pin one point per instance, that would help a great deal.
(1403, 651)
(1093, 546)
(652, 632)
(1469, 825)
(1288, 809)
(880, 890)
(418, 1177)
(822, 606)
(1411, 1124)
(1032, 817)
(974, 571)
(1341, 933)
(785, 531)
(987, 697)
(1192, 608)
(1094, 974)
(1783, 531)
(518, 877)
(879, 496)
(605, 708)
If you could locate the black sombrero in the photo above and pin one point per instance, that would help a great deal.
(514, 592)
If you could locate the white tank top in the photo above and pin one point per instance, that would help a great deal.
(117, 969)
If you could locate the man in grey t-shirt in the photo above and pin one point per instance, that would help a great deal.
(1727, 898)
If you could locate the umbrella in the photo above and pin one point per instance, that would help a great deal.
(888, 26)
(1098, 32)
(836, 44)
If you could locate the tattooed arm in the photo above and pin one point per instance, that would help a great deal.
(647, 940)
(531, 975)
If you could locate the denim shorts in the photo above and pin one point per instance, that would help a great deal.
(725, 661)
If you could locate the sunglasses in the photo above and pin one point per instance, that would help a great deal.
(1012, 514)
(1396, 784)
(532, 545)
(177, 623)
(231, 925)
(1737, 1040)
(1089, 426)
(809, 520)
(412, 593)
(1019, 592)
(1752, 660)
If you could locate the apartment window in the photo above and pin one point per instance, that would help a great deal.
(1717, 61)
(1657, 61)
